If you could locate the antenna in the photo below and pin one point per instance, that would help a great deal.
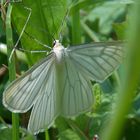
(64, 19)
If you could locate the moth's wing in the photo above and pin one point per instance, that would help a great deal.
(97, 61)
(77, 90)
(46, 108)
(21, 94)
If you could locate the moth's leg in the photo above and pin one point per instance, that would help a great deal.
(23, 29)
(39, 42)
(35, 51)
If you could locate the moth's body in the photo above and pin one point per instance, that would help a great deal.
(60, 84)
(59, 51)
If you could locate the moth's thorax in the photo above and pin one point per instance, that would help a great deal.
(58, 49)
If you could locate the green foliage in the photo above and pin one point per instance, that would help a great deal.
(44, 22)
(87, 21)
(68, 135)
(5, 133)
(120, 29)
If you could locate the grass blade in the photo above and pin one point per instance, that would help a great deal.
(12, 70)
(130, 80)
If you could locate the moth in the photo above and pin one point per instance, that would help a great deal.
(60, 84)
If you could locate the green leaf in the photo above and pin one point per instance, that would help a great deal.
(107, 13)
(120, 29)
(45, 22)
(5, 133)
(68, 135)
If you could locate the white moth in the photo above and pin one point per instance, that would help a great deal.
(60, 84)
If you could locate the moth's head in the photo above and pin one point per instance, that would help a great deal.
(57, 44)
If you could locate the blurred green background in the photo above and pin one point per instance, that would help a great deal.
(73, 22)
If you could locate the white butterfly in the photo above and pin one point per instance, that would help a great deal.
(60, 84)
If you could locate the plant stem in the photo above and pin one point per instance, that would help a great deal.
(47, 135)
(77, 129)
(76, 27)
(12, 70)
(90, 33)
